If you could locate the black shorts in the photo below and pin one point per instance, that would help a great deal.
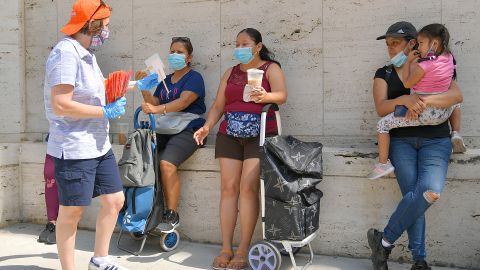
(236, 148)
(176, 148)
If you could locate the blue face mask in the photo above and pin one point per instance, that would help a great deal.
(243, 55)
(176, 61)
(399, 59)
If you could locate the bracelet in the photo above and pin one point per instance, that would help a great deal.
(164, 109)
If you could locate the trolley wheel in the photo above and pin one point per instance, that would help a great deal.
(263, 255)
(137, 236)
(169, 241)
(283, 252)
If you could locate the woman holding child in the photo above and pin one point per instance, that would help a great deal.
(420, 153)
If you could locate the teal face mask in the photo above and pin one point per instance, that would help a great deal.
(243, 55)
(399, 59)
(176, 61)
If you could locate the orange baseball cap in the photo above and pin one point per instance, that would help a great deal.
(82, 12)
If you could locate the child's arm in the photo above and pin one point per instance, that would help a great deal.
(412, 73)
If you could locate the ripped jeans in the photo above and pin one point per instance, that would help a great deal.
(421, 166)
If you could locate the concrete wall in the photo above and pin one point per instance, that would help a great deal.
(351, 204)
(10, 186)
(12, 116)
(12, 70)
(327, 48)
(329, 54)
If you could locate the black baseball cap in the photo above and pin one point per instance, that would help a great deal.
(400, 29)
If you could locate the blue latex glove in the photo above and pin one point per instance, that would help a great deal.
(115, 109)
(148, 82)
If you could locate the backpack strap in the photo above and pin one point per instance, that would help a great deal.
(134, 211)
(454, 68)
(143, 145)
(125, 202)
(388, 72)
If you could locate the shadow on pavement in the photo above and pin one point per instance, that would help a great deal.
(41, 255)
(23, 267)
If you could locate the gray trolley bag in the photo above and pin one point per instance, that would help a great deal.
(290, 169)
(132, 178)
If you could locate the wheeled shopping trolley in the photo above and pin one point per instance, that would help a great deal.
(153, 194)
(290, 201)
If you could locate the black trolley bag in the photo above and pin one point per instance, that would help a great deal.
(290, 169)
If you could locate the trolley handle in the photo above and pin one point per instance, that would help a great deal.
(267, 107)
(136, 125)
(263, 121)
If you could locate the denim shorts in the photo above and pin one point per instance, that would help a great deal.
(80, 180)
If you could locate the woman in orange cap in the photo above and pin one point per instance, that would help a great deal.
(85, 166)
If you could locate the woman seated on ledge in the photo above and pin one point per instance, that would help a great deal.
(183, 101)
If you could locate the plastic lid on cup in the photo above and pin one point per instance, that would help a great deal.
(255, 70)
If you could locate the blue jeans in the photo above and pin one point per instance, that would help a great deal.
(420, 166)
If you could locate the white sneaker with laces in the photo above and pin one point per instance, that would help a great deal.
(106, 264)
(380, 170)
(458, 146)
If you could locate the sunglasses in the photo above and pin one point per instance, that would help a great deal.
(184, 39)
(102, 4)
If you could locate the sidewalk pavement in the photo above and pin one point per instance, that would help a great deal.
(19, 250)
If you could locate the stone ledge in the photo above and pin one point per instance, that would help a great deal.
(338, 161)
(9, 154)
(10, 186)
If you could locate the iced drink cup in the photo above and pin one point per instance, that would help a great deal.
(255, 77)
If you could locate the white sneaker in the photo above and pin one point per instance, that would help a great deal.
(458, 146)
(380, 170)
(108, 264)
